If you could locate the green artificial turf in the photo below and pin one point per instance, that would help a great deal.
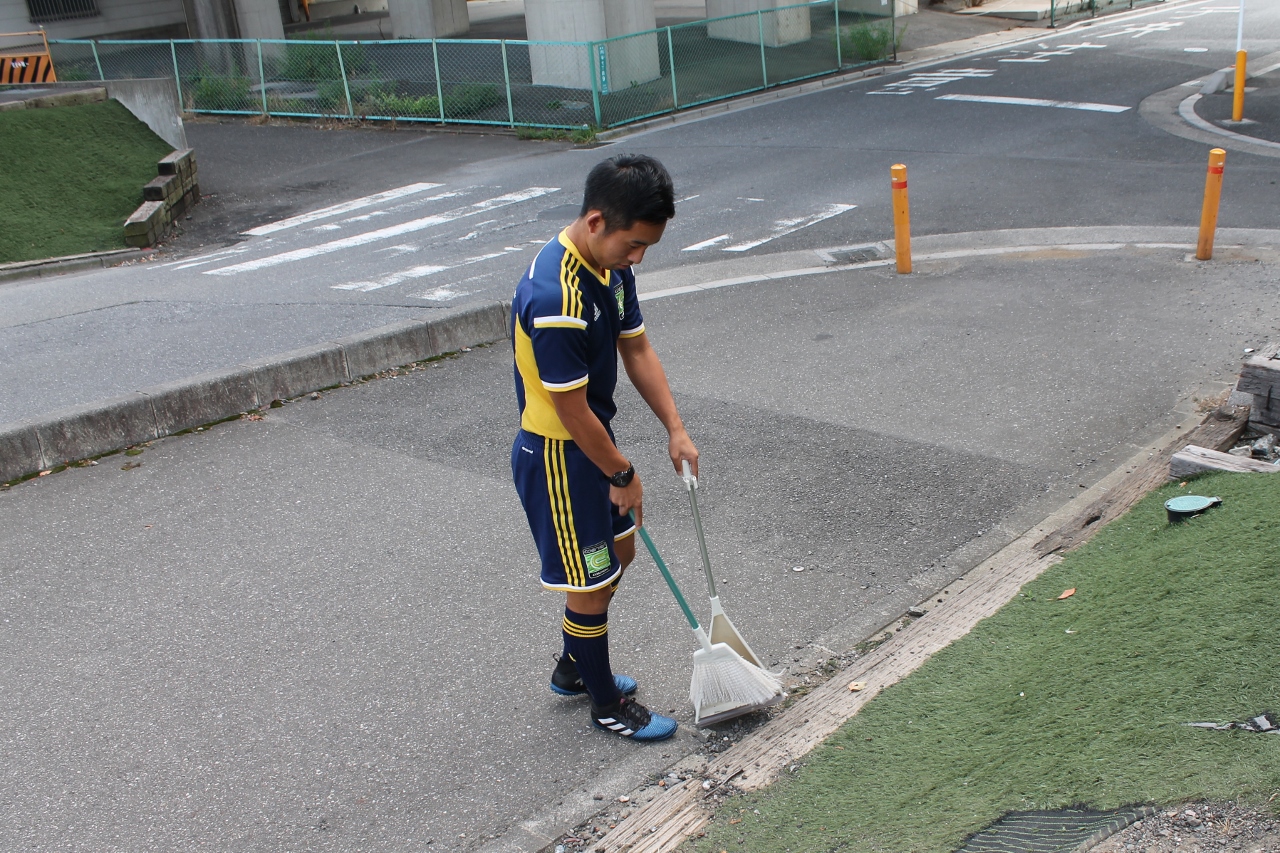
(71, 177)
(1049, 703)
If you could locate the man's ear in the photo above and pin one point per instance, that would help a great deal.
(595, 222)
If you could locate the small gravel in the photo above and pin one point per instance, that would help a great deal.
(1208, 827)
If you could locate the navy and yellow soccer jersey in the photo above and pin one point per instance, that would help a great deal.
(565, 325)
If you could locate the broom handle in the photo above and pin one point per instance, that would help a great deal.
(666, 573)
(691, 483)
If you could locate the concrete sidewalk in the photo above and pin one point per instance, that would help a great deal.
(267, 635)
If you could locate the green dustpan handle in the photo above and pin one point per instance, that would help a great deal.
(666, 573)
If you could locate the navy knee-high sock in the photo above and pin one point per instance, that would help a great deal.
(586, 641)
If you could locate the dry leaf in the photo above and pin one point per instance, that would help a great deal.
(1067, 593)
(736, 820)
(855, 686)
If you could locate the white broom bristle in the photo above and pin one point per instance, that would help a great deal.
(722, 679)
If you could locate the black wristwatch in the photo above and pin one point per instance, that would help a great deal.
(622, 479)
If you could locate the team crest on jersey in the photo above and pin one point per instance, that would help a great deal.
(597, 559)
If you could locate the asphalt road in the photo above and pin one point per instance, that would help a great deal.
(973, 166)
(322, 630)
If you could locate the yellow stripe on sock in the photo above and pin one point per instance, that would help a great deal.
(585, 632)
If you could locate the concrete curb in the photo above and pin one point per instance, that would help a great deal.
(68, 263)
(105, 426)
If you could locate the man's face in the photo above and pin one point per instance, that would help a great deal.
(623, 247)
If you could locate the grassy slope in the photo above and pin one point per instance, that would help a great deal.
(71, 177)
(1171, 624)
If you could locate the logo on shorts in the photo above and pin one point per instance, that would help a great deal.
(597, 559)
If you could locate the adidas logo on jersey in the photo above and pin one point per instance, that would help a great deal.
(597, 307)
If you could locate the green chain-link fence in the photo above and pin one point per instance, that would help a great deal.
(566, 85)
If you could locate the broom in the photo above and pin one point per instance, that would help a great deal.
(724, 685)
(722, 630)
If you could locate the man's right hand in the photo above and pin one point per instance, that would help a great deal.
(628, 498)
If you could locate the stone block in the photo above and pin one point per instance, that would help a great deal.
(298, 372)
(149, 217)
(176, 162)
(202, 399)
(19, 451)
(470, 326)
(69, 99)
(389, 346)
(96, 428)
(162, 188)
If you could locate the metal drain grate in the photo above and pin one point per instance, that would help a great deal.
(1063, 831)
(856, 255)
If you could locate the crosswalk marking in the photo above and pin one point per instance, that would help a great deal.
(386, 233)
(338, 209)
(421, 271)
(783, 227)
(1035, 102)
(706, 244)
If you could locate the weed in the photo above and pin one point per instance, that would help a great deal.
(871, 42)
(206, 90)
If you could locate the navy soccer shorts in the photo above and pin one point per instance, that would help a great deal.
(574, 524)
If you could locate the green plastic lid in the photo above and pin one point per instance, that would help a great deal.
(1190, 503)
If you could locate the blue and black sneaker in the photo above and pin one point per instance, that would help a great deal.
(631, 719)
(566, 681)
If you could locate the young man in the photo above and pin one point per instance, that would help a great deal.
(575, 310)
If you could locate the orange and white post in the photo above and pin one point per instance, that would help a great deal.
(1242, 58)
(901, 217)
(1209, 211)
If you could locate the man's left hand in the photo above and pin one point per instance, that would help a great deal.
(681, 448)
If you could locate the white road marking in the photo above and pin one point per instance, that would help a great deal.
(338, 209)
(1195, 50)
(929, 80)
(386, 233)
(418, 272)
(1144, 29)
(440, 294)
(1035, 102)
(706, 244)
(783, 227)
(330, 227)
(687, 198)
(207, 259)
(824, 270)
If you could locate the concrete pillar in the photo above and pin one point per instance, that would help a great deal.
(881, 7)
(259, 19)
(211, 19)
(617, 64)
(429, 19)
(780, 28)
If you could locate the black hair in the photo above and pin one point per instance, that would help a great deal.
(628, 188)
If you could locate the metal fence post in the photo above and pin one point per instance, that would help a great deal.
(96, 61)
(346, 87)
(177, 77)
(435, 58)
(893, 26)
(262, 76)
(764, 65)
(595, 82)
(840, 56)
(671, 61)
(506, 76)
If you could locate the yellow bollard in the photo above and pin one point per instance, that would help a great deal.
(1237, 100)
(901, 217)
(1209, 212)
